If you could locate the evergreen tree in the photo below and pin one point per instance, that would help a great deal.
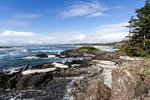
(139, 36)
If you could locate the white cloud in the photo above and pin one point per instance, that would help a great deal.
(97, 14)
(14, 33)
(14, 22)
(26, 16)
(102, 34)
(83, 9)
(23, 38)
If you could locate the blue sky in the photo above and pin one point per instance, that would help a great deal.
(64, 21)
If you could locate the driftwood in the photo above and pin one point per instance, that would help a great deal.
(26, 67)
(56, 66)
(59, 65)
(28, 72)
(117, 62)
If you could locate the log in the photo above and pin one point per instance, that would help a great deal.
(28, 72)
(26, 67)
(59, 65)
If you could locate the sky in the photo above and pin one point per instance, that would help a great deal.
(34, 22)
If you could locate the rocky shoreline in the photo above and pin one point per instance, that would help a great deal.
(104, 76)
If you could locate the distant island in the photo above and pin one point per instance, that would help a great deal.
(99, 44)
(4, 47)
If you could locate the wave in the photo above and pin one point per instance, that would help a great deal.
(24, 50)
(51, 56)
(3, 55)
(2, 49)
(31, 57)
(34, 57)
(63, 60)
(13, 53)
(47, 50)
(11, 70)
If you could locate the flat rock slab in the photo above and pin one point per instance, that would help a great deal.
(130, 58)
(108, 66)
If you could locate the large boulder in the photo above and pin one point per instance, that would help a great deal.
(131, 82)
(91, 90)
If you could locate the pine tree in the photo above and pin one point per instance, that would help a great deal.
(139, 36)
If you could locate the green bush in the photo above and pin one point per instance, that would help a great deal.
(134, 51)
(88, 48)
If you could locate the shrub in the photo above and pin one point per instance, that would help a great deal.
(88, 48)
(134, 51)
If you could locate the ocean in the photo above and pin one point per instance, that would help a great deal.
(19, 56)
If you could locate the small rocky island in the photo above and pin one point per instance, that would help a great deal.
(99, 75)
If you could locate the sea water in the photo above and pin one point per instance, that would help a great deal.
(19, 56)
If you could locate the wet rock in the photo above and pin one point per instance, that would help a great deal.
(32, 81)
(43, 55)
(43, 66)
(3, 81)
(79, 63)
(18, 81)
(91, 90)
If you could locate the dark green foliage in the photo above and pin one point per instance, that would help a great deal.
(139, 37)
(88, 48)
(133, 51)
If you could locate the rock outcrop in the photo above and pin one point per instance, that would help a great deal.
(131, 82)
(43, 55)
(33, 81)
(91, 89)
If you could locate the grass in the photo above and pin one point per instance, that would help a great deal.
(88, 48)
